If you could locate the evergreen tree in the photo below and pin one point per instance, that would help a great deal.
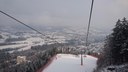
(118, 43)
(1, 36)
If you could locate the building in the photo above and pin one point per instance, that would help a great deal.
(21, 59)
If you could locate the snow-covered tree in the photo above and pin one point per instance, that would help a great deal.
(116, 46)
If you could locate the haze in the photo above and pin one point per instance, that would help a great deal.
(74, 13)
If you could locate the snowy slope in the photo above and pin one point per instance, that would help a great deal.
(117, 68)
(71, 63)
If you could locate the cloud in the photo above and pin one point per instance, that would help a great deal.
(123, 3)
(65, 12)
(49, 20)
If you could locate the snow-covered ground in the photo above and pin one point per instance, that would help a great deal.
(116, 68)
(26, 43)
(71, 63)
(32, 39)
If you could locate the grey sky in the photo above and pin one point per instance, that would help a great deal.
(64, 12)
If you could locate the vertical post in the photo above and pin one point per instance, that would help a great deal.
(81, 58)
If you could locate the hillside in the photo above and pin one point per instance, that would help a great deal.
(71, 63)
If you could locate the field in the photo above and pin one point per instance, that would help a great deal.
(71, 63)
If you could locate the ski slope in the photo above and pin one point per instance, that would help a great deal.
(71, 63)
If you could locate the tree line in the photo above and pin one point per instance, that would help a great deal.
(115, 50)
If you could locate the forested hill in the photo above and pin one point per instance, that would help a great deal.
(115, 54)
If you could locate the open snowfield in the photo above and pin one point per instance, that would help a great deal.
(71, 63)
(26, 44)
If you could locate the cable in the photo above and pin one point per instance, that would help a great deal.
(47, 37)
(21, 22)
(89, 23)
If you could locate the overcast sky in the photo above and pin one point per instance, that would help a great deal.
(64, 12)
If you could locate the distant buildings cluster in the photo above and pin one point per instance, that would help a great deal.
(21, 59)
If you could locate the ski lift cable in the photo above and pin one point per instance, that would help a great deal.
(88, 29)
(21, 22)
(47, 37)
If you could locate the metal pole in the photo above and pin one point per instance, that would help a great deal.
(81, 58)
(89, 23)
(88, 29)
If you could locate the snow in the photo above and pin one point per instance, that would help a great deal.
(71, 63)
(31, 41)
(12, 46)
(2, 40)
(117, 68)
(96, 47)
(26, 44)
